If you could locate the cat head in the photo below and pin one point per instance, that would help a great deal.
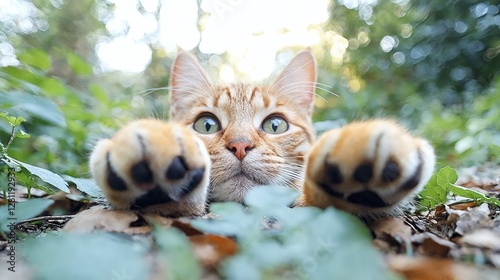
(255, 135)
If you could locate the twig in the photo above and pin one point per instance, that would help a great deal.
(46, 218)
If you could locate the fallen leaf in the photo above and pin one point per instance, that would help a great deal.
(463, 206)
(391, 234)
(477, 217)
(186, 227)
(210, 249)
(429, 244)
(483, 238)
(100, 219)
(440, 209)
(158, 219)
(430, 268)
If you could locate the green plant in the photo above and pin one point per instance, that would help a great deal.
(25, 173)
(442, 184)
(299, 243)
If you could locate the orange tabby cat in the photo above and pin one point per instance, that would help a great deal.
(222, 140)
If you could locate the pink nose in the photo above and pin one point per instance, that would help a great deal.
(240, 149)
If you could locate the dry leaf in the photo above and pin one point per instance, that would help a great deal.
(430, 268)
(391, 234)
(393, 226)
(99, 219)
(477, 217)
(483, 238)
(464, 205)
(431, 245)
(159, 220)
(440, 209)
(210, 249)
(185, 227)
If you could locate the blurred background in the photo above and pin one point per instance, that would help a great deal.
(77, 70)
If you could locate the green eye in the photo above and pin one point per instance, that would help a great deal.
(206, 124)
(275, 125)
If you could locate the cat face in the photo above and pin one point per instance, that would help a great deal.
(255, 135)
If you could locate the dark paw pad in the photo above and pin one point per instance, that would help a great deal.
(367, 198)
(114, 181)
(413, 181)
(363, 173)
(334, 173)
(391, 172)
(154, 196)
(330, 191)
(141, 173)
(195, 177)
(177, 169)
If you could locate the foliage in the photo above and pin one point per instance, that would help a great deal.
(301, 243)
(24, 173)
(90, 256)
(430, 64)
(274, 241)
(176, 249)
(442, 184)
(447, 50)
(22, 211)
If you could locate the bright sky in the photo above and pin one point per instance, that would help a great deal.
(250, 31)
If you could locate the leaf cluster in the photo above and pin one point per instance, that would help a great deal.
(442, 185)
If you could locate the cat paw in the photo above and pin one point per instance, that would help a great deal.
(367, 168)
(153, 166)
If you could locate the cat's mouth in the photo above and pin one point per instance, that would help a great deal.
(242, 175)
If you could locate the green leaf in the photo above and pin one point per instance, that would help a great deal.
(6, 118)
(22, 135)
(35, 57)
(100, 256)
(54, 87)
(17, 121)
(437, 189)
(22, 211)
(45, 175)
(78, 66)
(234, 220)
(99, 94)
(176, 249)
(88, 186)
(264, 197)
(29, 105)
(278, 242)
(477, 196)
(446, 176)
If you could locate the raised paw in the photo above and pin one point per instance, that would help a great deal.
(154, 166)
(367, 168)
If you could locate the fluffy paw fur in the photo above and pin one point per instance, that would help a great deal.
(367, 168)
(156, 166)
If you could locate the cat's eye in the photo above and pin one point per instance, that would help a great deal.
(275, 125)
(207, 124)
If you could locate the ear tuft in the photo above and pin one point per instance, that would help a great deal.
(297, 81)
(187, 80)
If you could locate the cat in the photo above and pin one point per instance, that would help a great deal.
(223, 140)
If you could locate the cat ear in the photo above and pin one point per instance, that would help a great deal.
(297, 81)
(187, 80)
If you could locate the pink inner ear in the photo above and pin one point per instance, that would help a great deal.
(187, 79)
(297, 80)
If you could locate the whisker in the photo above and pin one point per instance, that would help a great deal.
(150, 90)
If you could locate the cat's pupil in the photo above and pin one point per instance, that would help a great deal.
(208, 124)
(274, 124)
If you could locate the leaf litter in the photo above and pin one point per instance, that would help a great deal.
(457, 239)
